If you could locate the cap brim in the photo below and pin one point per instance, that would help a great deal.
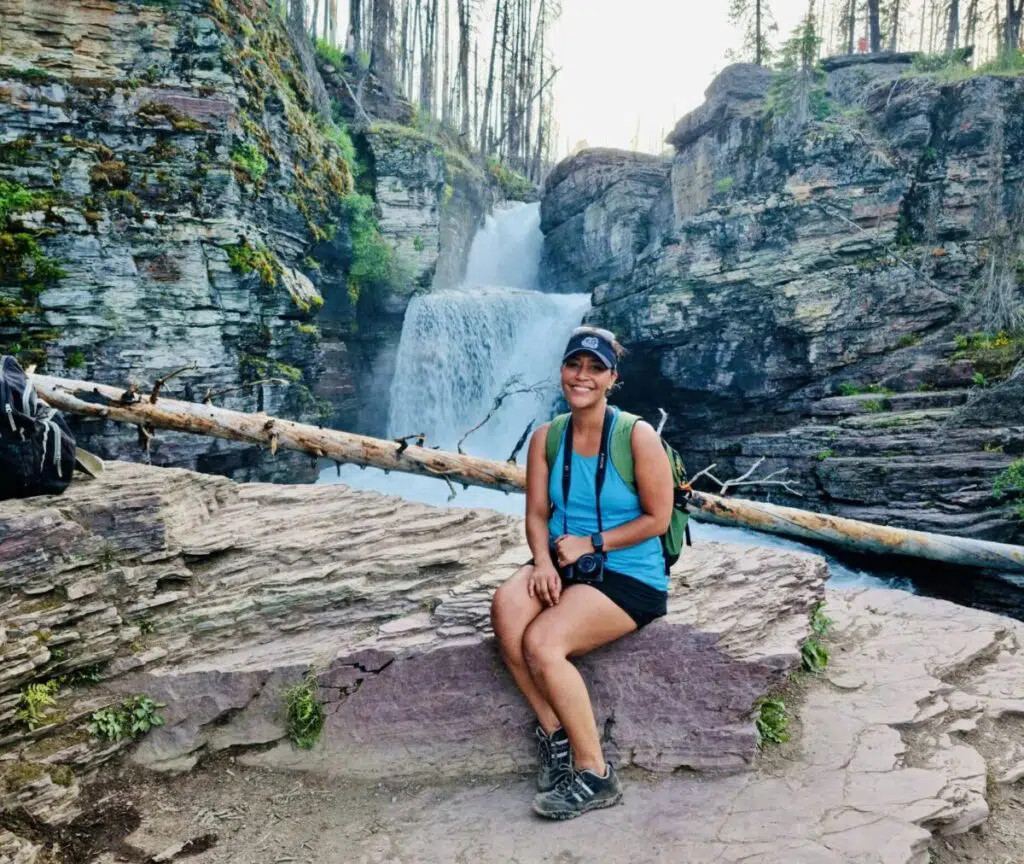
(591, 351)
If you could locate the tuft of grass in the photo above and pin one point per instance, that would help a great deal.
(514, 186)
(330, 54)
(305, 714)
(74, 360)
(822, 455)
(848, 388)
(724, 185)
(772, 722)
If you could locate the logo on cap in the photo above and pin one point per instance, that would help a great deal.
(590, 342)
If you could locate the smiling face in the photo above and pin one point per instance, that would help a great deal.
(586, 380)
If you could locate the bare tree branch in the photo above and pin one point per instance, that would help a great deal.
(512, 387)
(726, 485)
(520, 443)
(161, 381)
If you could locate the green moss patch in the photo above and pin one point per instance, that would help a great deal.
(112, 174)
(246, 257)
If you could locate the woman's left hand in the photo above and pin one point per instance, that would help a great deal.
(570, 549)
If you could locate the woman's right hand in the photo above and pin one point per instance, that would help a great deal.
(545, 584)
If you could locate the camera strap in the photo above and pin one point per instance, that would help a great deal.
(602, 466)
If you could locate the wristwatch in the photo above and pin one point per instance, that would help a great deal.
(597, 541)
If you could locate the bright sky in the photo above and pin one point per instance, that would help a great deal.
(643, 62)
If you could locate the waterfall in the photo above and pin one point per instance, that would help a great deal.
(459, 350)
(462, 348)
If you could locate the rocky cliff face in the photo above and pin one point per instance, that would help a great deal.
(431, 200)
(827, 276)
(173, 190)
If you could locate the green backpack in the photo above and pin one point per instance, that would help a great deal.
(620, 450)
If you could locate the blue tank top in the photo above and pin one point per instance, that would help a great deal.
(619, 505)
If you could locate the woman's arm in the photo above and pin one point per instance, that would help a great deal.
(545, 582)
(653, 475)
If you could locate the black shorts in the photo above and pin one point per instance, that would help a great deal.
(638, 600)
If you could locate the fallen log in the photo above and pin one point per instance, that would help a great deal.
(127, 406)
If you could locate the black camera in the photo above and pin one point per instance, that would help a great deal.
(588, 569)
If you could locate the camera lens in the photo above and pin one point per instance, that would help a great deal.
(587, 563)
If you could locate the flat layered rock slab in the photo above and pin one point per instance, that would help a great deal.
(426, 693)
(920, 702)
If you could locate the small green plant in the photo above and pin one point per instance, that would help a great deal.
(993, 447)
(874, 406)
(305, 714)
(724, 185)
(330, 53)
(248, 159)
(814, 655)
(372, 260)
(108, 556)
(132, 718)
(417, 243)
(74, 360)
(36, 700)
(908, 340)
(1011, 483)
(772, 724)
(820, 622)
(822, 455)
(84, 675)
(979, 380)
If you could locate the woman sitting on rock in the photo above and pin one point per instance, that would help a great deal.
(596, 573)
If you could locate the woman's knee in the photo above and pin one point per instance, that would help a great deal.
(542, 647)
(510, 614)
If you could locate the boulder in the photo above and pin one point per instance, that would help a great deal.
(214, 598)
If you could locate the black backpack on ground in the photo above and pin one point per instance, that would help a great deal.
(37, 449)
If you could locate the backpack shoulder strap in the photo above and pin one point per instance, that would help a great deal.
(554, 437)
(621, 448)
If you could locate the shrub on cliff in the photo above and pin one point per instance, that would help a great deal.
(372, 259)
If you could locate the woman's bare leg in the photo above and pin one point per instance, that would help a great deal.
(583, 620)
(512, 610)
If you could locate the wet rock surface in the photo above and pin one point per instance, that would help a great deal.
(778, 265)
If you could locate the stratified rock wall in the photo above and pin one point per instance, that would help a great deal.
(805, 286)
(182, 187)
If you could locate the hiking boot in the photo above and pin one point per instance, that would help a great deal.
(577, 792)
(555, 758)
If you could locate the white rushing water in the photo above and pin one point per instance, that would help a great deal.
(461, 348)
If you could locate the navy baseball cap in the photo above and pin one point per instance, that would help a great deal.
(592, 341)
